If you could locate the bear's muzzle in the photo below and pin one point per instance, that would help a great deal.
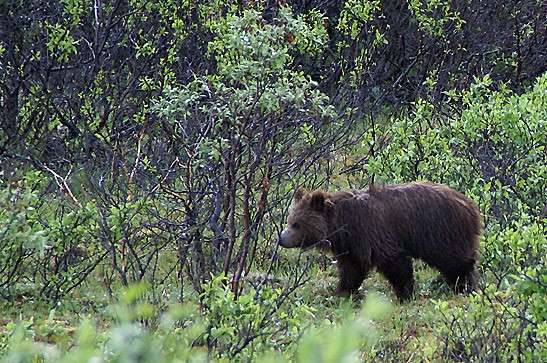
(288, 239)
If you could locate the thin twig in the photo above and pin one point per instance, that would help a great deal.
(61, 182)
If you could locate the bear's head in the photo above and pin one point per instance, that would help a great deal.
(307, 224)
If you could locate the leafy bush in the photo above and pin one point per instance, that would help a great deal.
(505, 320)
(22, 237)
(246, 136)
(490, 143)
(162, 148)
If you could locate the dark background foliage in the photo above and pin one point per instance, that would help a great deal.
(161, 142)
(121, 54)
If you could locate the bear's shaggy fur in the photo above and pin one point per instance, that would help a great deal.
(385, 227)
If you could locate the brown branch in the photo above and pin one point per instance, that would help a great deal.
(160, 184)
(132, 175)
(62, 183)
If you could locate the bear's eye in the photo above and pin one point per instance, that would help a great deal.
(295, 226)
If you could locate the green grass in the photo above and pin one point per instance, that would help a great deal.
(45, 330)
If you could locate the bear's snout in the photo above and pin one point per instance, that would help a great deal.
(287, 239)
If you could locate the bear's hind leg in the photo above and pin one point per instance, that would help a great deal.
(400, 274)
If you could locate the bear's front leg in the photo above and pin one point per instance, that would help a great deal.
(400, 274)
(351, 275)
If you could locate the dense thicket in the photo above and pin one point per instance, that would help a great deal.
(77, 78)
(160, 142)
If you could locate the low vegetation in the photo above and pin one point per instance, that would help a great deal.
(149, 153)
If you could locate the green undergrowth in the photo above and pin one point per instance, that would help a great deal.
(504, 320)
(492, 148)
(147, 167)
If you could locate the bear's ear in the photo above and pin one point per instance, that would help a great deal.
(299, 194)
(317, 202)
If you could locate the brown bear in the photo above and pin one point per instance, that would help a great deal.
(385, 227)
